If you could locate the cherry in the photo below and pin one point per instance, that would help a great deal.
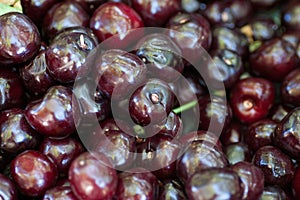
(33, 173)
(20, 39)
(214, 183)
(286, 134)
(16, 134)
(113, 18)
(252, 179)
(161, 55)
(7, 188)
(62, 152)
(274, 59)
(52, 115)
(137, 183)
(277, 167)
(290, 89)
(251, 98)
(63, 15)
(172, 189)
(94, 170)
(156, 12)
(59, 192)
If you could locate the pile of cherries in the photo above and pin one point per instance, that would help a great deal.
(240, 141)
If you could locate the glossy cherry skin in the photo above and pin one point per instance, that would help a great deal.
(93, 169)
(118, 146)
(119, 72)
(113, 18)
(274, 59)
(16, 134)
(161, 55)
(90, 5)
(157, 12)
(11, 89)
(290, 92)
(215, 114)
(151, 103)
(59, 193)
(63, 15)
(67, 55)
(259, 134)
(290, 15)
(286, 135)
(36, 9)
(214, 183)
(228, 12)
(8, 189)
(251, 98)
(62, 152)
(52, 115)
(33, 173)
(137, 183)
(159, 154)
(277, 167)
(191, 33)
(35, 76)
(229, 65)
(252, 180)
(20, 39)
(197, 155)
(273, 192)
(231, 39)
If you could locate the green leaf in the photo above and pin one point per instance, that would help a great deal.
(4, 8)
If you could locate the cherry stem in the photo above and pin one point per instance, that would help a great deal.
(185, 107)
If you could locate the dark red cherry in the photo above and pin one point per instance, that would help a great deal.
(94, 170)
(215, 114)
(156, 12)
(36, 77)
(231, 39)
(59, 192)
(151, 103)
(119, 72)
(20, 39)
(16, 134)
(37, 9)
(274, 59)
(228, 12)
(229, 65)
(277, 167)
(161, 55)
(290, 92)
(118, 146)
(197, 155)
(191, 33)
(33, 173)
(251, 98)
(252, 180)
(214, 183)
(12, 92)
(287, 134)
(62, 152)
(67, 55)
(259, 134)
(8, 189)
(52, 115)
(113, 18)
(137, 183)
(90, 5)
(63, 15)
